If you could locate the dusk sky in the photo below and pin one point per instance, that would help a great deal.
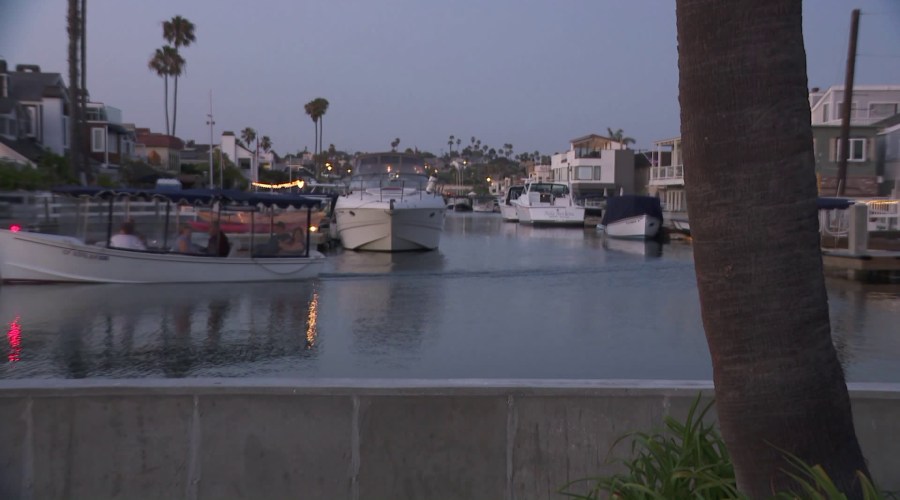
(534, 73)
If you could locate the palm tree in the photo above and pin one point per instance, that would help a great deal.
(395, 143)
(619, 136)
(778, 380)
(450, 144)
(265, 143)
(316, 109)
(179, 32)
(164, 63)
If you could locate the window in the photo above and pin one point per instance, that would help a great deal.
(857, 150)
(882, 109)
(98, 140)
(584, 173)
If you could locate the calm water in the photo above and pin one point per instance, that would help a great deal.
(498, 300)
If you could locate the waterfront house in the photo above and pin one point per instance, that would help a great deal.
(887, 149)
(239, 154)
(159, 150)
(595, 167)
(667, 176)
(33, 112)
(870, 105)
(110, 142)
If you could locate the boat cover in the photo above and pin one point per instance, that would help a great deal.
(631, 205)
(193, 196)
(833, 203)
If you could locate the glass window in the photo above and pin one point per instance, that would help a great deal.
(584, 173)
(857, 150)
(97, 140)
(882, 109)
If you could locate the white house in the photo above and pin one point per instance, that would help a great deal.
(595, 167)
(870, 104)
(667, 174)
(239, 155)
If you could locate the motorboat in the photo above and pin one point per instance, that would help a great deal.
(548, 203)
(391, 205)
(40, 257)
(507, 205)
(632, 216)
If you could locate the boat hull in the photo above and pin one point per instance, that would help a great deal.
(508, 213)
(36, 257)
(375, 226)
(637, 227)
(557, 216)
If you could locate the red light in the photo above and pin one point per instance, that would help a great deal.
(15, 228)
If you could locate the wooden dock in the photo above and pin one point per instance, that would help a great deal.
(870, 266)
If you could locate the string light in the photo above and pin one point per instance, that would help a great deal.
(284, 185)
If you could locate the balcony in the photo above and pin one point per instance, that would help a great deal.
(668, 175)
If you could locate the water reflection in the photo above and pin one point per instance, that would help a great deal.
(157, 330)
(864, 325)
(643, 248)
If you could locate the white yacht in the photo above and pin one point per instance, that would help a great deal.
(391, 206)
(548, 203)
(508, 203)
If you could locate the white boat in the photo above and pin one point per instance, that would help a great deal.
(39, 257)
(392, 205)
(632, 216)
(507, 205)
(549, 203)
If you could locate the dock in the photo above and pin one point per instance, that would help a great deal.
(869, 266)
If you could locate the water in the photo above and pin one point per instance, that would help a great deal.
(498, 300)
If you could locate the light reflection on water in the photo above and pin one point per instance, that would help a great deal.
(497, 300)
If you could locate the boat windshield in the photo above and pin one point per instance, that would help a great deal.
(549, 188)
(389, 171)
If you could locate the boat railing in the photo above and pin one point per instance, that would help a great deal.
(388, 186)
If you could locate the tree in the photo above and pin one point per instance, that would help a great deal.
(316, 109)
(166, 62)
(619, 136)
(748, 150)
(395, 143)
(73, 25)
(179, 32)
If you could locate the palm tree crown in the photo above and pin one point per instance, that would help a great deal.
(180, 33)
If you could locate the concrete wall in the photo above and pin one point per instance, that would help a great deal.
(345, 439)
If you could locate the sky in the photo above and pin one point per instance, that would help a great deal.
(532, 73)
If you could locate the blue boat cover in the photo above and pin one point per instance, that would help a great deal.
(192, 196)
(833, 203)
(631, 205)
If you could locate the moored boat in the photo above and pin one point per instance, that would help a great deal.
(548, 203)
(392, 205)
(40, 257)
(508, 206)
(632, 216)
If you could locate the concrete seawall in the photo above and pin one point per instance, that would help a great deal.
(347, 439)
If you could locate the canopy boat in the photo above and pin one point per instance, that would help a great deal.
(40, 257)
(392, 205)
(549, 203)
(632, 216)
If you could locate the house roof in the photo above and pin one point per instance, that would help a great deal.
(25, 147)
(888, 122)
(28, 86)
(155, 140)
(591, 136)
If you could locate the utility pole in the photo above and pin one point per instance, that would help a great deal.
(210, 122)
(844, 141)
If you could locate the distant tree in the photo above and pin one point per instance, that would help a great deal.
(265, 144)
(395, 143)
(450, 144)
(248, 135)
(316, 109)
(179, 32)
(619, 136)
(166, 62)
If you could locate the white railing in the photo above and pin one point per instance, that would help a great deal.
(884, 215)
(667, 172)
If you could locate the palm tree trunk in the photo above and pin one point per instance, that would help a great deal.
(316, 149)
(750, 179)
(166, 100)
(74, 136)
(321, 132)
(175, 105)
(82, 108)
